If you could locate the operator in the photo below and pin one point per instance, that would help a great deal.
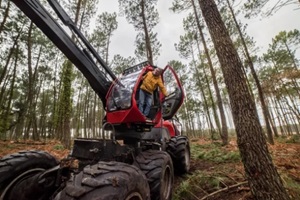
(151, 81)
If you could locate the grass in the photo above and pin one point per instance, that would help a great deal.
(58, 147)
(293, 139)
(210, 178)
(203, 182)
(289, 139)
(291, 186)
(213, 152)
(199, 183)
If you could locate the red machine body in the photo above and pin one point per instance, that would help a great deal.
(122, 99)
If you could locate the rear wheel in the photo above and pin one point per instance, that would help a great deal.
(19, 175)
(107, 180)
(158, 168)
(179, 149)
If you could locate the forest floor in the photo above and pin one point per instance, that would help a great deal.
(216, 173)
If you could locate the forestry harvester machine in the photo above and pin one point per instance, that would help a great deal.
(139, 158)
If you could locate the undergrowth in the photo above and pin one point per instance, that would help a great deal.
(289, 139)
(213, 152)
(219, 167)
(211, 178)
(292, 187)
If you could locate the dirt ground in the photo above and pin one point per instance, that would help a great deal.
(286, 157)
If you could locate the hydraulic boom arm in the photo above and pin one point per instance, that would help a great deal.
(83, 58)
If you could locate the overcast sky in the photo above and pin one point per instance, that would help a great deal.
(170, 28)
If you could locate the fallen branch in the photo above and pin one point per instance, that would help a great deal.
(201, 189)
(193, 195)
(223, 189)
(225, 174)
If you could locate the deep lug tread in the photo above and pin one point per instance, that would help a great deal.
(179, 150)
(154, 163)
(13, 165)
(106, 180)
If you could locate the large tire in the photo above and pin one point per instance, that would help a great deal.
(107, 180)
(17, 170)
(179, 150)
(158, 168)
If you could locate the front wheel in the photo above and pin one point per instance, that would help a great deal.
(107, 180)
(19, 175)
(179, 149)
(158, 168)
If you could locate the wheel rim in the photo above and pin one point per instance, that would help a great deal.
(20, 177)
(134, 196)
(166, 184)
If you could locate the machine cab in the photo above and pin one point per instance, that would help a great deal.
(122, 98)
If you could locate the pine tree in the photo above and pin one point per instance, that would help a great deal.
(143, 15)
(263, 178)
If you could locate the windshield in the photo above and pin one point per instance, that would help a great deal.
(121, 93)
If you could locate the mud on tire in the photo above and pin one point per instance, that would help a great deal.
(158, 168)
(107, 180)
(17, 167)
(179, 150)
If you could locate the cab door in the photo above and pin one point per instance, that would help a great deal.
(175, 97)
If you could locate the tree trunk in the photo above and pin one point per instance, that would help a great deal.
(147, 37)
(9, 57)
(251, 65)
(6, 12)
(279, 116)
(29, 97)
(65, 105)
(78, 113)
(18, 130)
(186, 120)
(271, 120)
(10, 96)
(36, 87)
(224, 131)
(263, 178)
(189, 120)
(204, 100)
(214, 109)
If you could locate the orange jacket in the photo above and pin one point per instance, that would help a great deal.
(151, 82)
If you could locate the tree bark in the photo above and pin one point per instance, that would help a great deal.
(265, 110)
(264, 180)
